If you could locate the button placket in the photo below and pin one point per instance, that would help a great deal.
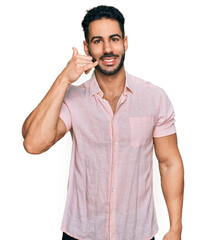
(114, 169)
(114, 174)
(115, 142)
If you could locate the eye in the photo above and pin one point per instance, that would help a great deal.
(97, 41)
(115, 39)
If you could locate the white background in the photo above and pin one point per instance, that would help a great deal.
(166, 47)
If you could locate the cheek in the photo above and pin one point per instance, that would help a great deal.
(118, 48)
(96, 51)
(123, 48)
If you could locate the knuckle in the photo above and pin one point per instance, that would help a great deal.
(77, 60)
(85, 68)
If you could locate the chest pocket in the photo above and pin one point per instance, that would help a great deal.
(141, 129)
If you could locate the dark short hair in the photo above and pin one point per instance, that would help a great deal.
(100, 12)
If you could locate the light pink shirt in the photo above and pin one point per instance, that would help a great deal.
(110, 188)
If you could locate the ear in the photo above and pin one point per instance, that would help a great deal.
(125, 43)
(86, 48)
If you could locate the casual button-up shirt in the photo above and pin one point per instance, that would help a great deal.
(110, 185)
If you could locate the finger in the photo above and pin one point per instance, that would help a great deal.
(94, 65)
(85, 57)
(87, 71)
(82, 61)
(75, 52)
(90, 66)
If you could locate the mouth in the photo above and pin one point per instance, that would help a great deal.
(109, 61)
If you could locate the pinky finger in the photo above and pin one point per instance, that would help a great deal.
(95, 63)
(89, 66)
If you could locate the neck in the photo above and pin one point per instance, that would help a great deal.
(113, 85)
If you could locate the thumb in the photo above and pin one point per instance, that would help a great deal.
(75, 52)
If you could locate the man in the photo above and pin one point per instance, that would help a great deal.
(114, 119)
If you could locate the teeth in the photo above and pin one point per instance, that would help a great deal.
(109, 60)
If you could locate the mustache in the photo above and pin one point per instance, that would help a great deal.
(104, 56)
(108, 55)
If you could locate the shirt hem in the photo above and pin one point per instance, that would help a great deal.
(149, 238)
(153, 235)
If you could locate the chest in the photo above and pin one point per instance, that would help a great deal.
(113, 103)
(94, 125)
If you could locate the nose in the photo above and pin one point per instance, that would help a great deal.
(107, 47)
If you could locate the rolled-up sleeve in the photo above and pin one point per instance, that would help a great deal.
(65, 115)
(166, 117)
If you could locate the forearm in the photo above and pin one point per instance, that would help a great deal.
(172, 182)
(39, 129)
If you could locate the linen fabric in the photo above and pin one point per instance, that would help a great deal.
(110, 184)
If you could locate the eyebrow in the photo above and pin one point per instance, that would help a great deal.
(111, 36)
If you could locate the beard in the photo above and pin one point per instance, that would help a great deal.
(111, 72)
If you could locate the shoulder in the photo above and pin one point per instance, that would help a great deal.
(146, 87)
(74, 89)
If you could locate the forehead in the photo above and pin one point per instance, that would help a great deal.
(104, 28)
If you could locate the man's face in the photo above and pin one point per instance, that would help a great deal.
(106, 45)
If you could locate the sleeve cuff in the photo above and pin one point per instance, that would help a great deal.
(164, 132)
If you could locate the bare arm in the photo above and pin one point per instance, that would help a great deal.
(172, 181)
(40, 128)
(43, 127)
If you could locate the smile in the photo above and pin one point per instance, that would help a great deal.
(109, 61)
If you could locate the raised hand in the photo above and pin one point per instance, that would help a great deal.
(76, 66)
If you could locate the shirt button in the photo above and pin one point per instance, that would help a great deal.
(112, 189)
(115, 142)
(104, 100)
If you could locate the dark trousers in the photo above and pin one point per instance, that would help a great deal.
(67, 237)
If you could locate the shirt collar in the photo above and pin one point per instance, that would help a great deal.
(94, 86)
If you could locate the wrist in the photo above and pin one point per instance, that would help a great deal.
(176, 228)
(63, 80)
